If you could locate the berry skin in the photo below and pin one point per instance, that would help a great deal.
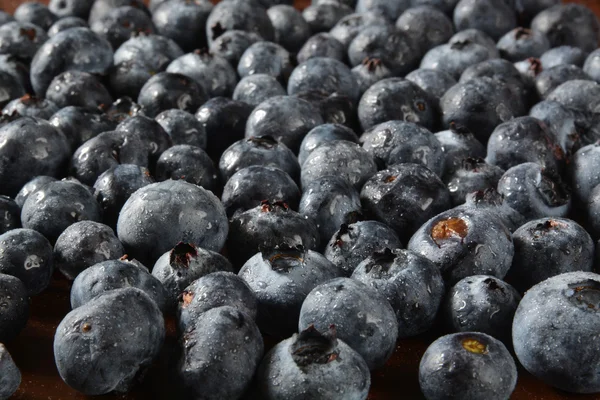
(427, 26)
(78, 88)
(189, 163)
(564, 55)
(494, 17)
(166, 90)
(475, 175)
(290, 29)
(238, 15)
(10, 214)
(322, 134)
(10, 376)
(184, 22)
(521, 43)
(351, 25)
(266, 58)
(256, 88)
(182, 127)
(15, 312)
(322, 45)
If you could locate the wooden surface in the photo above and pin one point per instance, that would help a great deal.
(32, 350)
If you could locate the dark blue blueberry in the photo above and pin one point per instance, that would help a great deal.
(78, 88)
(254, 89)
(127, 78)
(79, 124)
(27, 255)
(527, 9)
(582, 170)
(564, 303)
(535, 192)
(31, 106)
(426, 26)
(464, 242)
(21, 39)
(322, 45)
(363, 318)
(326, 75)
(167, 90)
(411, 283)
(35, 13)
(330, 201)
(481, 303)
(390, 9)
(30, 187)
(396, 50)
(5, 17)
(569, 24)
(446, 6)
(592, 65)
(15, 312)
(66, 23)
(223, 342)
(56, 206)
(476, 36)
(212, 72)
(266, 58)
(10, 88)
(120, 23)
(240, 15)
(115, 185)
(404, 196)
(521, 43)
(396, 99)
(19, 70)
(189, 163)
(551, 78)
(10, 214)
(84, 244)
(182, 127)
(578, 95)
(104, 345)
(259, 150)
(323, 16)
(351, 25)
(342, 158)
(494, 17)
(313, 364)
(152, 135)
(10, 376)
(184, 213)
(182, 265)
(454, 58)
(323, 134)
(369, 72)
(73, 49)
(467, 365)
(215, 290)
(563, 55)
(249, 186)
(184, 22)
(298, 116)
(290, 29)
(71, 8)
(592, 213)
(335, 108)
(493, 202)
(563, 123)
(474, 175)
(31, 147)
(224, 121)
(232, 44)
(121, 109)
(102, 7)
(456, 146)
(435, 82)
(281, 278)
(398, 142)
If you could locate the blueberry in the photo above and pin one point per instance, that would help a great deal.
(149, 132)
(182, 265)
(388, 8)
(563, 55)
(335, 108)
(266, 58)
(323, 16)
(10, 375)
(260, 150)
(446, 6)
(68, 8)
(78, 88)
(464, 242)
(568, 24)
(189, 163)
(411, 283)
(121, 109)
(566, 302)
(184, 22)
(120, 23)
(351, 25)
(167, 90)
(27, 255)
(5, 18)
(224, 121)
(494, 17)
(315, 365)
(249, 186)
(353, 243)
(21, 39)
(31, 106)
(102, 346)
(187, 212)
(342, 158)
(240, 15)
(395, 48)
(427, 26)
(396, 99)
(15, 312)
(550, 78)
(31, 147)
(290, 29)
(31, 187)
(322, 45)
(327, 75)
(454, 58)
(474, 175)
(457, 145)
(369, 72)
(434, 82)
(35, 13)
(65, 23)
(521, 43)
(232, 44)
(10, 214)
(330, 201)
(564, 123)
(323, 134)
(297, 115)
(10, 88)
(256, 88)
(527, 9)
(397, 142)
(182, 127)
(467, 365)
(592, 65)
(222, 343)
(578, 95)
(215, 290)
(19, 70)
(363, 318)
(534, 192)
(476, 36)
(102, 7)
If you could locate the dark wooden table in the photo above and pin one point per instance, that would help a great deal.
(32, 350)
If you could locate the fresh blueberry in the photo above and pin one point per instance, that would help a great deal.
(189, 163)
(256, 88)
(184, 22)
(426, 26)
(35, 13)
(335, 108)
(494, 17)
(446, 6)
(454, 58)
(79, 89)
(15, 312)
(527, 9)
(521, 43)
(474, 175)
(152, 135)
(369, 72)
(10, 88)
(266, 58)
(323, 134)
(182, 127)
(434, 82)
(232, 44)
(121, 109)
(563, 55)
(457, 145)
(467, 365)
(66, 23)
(102, 346)
(351, 25)
(19, 70)
(551, 78)
(21, 39)
(390, 9)
(323, 16)
(102, 7)
(120, 23)
(322, 45)
(31, 187)
(411, 283)
(564, 123)
(578, 95)
(188, 213)
(5, 18)
(10, 214)
(290, 29)
(31, 106)
(167, 90)
(27, 255)
(592, 65)
(476, 36)
(326, 75)
(240, 15)
(582, 171)
(71, 8)
(10, 376)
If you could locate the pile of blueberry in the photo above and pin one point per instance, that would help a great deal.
(337, 179)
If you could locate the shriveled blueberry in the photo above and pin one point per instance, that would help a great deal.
(120, 23)
(389, 9)
(182, 127)
(184, 213)
(522, 43)
(427, 26)
(31, 147)
(249, 186)
(492, 201)
(167, 90)
(10, 376)
(563, 303)
(323, 16)
(27, 255)
(266, 58)
(102, 346)
(563, 55)
(323, 134)
(322, 45)
(184, 22)
(182, 265)
(411, 283)
(494, 17)
(290, 29)
(363, 318)
(30, 187)
(15, 313)
(68, 8)
(474, 175)
(10, 88)
(232, 44)
(78, 88)
(223, 342)
(240, 15)
(256, 88)
(457, 145)
(454, 58)
(369, 72)
(467, 365)
(21, 39)
(351, 25)
(35, 13)
(315, 365)
(435, 82)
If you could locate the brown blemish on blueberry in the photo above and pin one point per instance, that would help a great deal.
(474, 346)
(30, 33)
(182, 254)
(449, 228)
(421, 106)
(217, 30)
(186, 298)
(389, 178)
(585, 294)
(371, 63)
(313, 347)
(383, 259)
(522, 33)
(472, 163)
(267, 206)
(278, 258)
(265, 141)
(492, 284)
(535, 65)
(344, 229)
(86, 327)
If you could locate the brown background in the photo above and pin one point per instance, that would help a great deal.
(32, 350)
